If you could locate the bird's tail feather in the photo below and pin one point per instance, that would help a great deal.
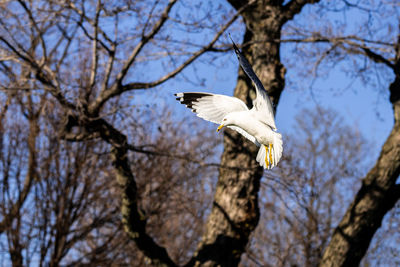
(269, 155)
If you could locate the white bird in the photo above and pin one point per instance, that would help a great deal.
(256, 124)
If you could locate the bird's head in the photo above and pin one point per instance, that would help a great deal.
(226, 121)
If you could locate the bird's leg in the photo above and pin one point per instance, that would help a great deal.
(220, 127)
(266, 156)
(270, 153)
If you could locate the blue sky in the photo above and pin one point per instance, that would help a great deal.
(366, 109)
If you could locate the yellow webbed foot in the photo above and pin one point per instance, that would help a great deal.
(266, 157)
(270, 153)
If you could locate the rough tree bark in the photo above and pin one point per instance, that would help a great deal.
(235, 211)
(378, 193)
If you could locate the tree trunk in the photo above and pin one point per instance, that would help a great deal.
(378, 194)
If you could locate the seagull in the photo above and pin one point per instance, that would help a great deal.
(256, 124)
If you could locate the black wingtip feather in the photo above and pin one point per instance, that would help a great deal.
(188, 99)
(237, 51)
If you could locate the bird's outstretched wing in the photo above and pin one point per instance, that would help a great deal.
(262, 104)
(211, 107)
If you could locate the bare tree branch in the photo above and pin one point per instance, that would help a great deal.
(133, 220)
(41, 75)
(83, 17)
(31, 175)
(135, 86)
(186, 157)
(95, 56)
(39, 31)
(294, 7)
(120, 88)
(377, 58)
(144, 40)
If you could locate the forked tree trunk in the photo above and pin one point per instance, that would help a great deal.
(235, 211)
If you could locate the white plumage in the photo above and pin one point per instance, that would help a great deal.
(256, 124)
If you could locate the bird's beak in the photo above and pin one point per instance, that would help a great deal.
(220, 127)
